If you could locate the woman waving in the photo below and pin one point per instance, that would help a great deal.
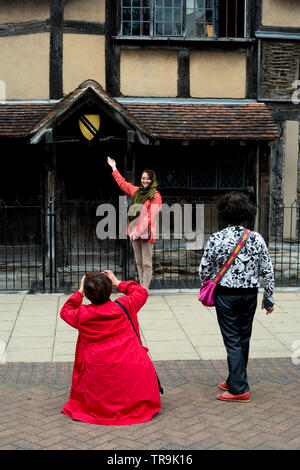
(142, 214)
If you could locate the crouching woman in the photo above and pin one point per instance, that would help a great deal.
(114, 381)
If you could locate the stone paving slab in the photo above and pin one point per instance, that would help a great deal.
(33, 394)
(173, 326)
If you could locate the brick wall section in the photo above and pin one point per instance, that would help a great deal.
(279, 69)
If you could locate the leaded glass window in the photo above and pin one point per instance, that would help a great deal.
(168, 17)
(184, 18)
(135, 17)
(232, 173)
(204, 175)
(212, 172)
(200, 18)
(175, 177)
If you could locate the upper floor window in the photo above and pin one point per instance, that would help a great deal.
(200, 18)
(184, 18)
(136, 17)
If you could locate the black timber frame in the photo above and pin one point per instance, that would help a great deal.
(43, 26)
(116, 43)
(57, 26)
(56, 49)
(112, 50)
(183, 75)
(264, 191)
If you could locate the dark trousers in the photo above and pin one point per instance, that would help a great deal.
(235, 311)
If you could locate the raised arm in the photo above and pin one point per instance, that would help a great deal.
(135, 296)
(128, 188)
(70, 311)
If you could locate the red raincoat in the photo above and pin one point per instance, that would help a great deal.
(114, 381)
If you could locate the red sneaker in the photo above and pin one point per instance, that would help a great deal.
(223, 386)
(226, 396)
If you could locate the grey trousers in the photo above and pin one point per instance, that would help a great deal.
(143, 256)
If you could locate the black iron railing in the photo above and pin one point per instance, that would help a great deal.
(21, 246)
(50, 250)
(284, 244)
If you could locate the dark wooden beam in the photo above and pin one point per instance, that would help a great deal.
(183, 80)
(252, 51)
(264, 191)
(26, 27)
(56, 48)
(112, 50)
(256, 5)
(43, 26)
(84, 27)
(251, 71)
(280, 29)
(182, 43)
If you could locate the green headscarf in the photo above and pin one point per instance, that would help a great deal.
(141, 195)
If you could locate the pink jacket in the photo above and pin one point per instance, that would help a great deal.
(147, 220)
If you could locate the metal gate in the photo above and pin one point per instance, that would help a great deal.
(50, 250)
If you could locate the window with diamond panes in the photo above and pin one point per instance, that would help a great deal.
(135, 17)
(232, 173)
(204, 174)
(175, 177)
(200, 18)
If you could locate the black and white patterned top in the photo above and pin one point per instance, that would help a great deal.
(252, 261)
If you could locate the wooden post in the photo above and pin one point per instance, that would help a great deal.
(264, 192)
(50, 198)
(129, 162)
(50, 169)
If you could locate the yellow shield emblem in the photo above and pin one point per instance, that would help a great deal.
(89, 125)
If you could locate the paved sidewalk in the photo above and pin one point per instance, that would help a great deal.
(32, 395)
(189, 356)
(173, 327)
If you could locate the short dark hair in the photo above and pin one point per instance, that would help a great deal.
(235, 207)
(97, 287)
(150, 174)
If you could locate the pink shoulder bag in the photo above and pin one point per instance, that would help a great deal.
(206, 295)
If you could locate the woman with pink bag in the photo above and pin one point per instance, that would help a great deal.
(233, 259)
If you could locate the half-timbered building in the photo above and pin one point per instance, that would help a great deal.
(202, 91)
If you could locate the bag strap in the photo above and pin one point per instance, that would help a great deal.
(129, 318)
(233, 255)
(161, 390)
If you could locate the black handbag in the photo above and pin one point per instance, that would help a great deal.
(161, 390)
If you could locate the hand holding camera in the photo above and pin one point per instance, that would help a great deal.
(112, 277)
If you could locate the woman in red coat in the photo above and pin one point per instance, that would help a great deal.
(114, 381)
(142, 218)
